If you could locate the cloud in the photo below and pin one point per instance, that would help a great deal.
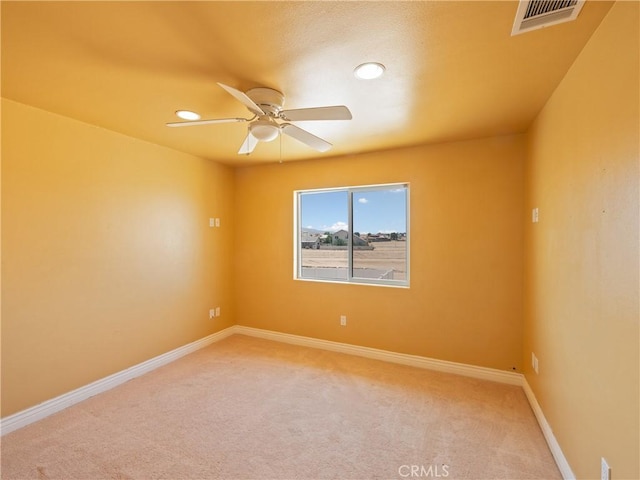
(363, 200)
(336, 226)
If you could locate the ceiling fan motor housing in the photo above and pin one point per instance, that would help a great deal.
(269, 100)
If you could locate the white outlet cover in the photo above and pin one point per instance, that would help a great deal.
(217, 222)
(217, 311)
(605, 471)
(212, 222)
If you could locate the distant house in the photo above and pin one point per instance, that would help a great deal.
(310, 240)
(359, 241)
(341, 237)
(379, 237)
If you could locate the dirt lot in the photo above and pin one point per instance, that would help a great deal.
(384, 256)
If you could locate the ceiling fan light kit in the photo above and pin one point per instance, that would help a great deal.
(269, 119)
(264, 129)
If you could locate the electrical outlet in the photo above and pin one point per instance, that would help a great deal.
(212, 313)
(343, 320)
(605, 471)
(212, 222)
(534, 215)
(217, 222)
(217, 311)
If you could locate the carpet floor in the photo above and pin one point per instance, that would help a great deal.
(247, 408)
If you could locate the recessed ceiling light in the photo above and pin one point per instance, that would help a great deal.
(187, 115)
(369, 71)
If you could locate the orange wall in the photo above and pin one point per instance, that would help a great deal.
(108, 259)
(465, 300)
(581, 289)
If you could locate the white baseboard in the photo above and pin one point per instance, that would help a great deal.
(49, 407)
(402, 358)
(554, 446)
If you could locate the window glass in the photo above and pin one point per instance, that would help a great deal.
(380, 234)
(324, 220)
(377, 251)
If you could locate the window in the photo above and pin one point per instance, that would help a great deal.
(378, 250)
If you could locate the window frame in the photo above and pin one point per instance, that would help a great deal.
(297, 234)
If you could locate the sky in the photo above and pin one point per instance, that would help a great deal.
(376, 211)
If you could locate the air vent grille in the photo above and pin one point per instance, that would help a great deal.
(540, 7)
(535, 14)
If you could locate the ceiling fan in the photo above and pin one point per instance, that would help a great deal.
(269, 119)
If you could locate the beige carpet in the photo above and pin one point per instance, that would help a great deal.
(246, 408)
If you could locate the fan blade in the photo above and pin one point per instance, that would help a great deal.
(339, 112)
(205, 122)
(305, 137)
(242, 97)
(248, 145)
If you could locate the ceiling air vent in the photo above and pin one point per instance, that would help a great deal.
(535, 14)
